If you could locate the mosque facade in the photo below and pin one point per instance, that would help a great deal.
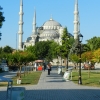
(50, 30)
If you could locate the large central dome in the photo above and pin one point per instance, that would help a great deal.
(51, 24)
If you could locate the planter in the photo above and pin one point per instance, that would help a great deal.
(66, 76)
(18, 81)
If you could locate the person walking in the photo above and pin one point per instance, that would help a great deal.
(49, 68)
(44, 66)
(35, 66)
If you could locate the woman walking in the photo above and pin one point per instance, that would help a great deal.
(49, 68)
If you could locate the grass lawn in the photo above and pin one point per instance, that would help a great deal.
(93, 80)
(29, 79)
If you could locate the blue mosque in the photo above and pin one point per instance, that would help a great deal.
(50, 30)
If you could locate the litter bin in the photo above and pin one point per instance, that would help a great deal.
(60, 70)
(17, 93)
(66, 76)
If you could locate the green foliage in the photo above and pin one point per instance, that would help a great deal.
(28, 57)
(67, 41)
(1, 49)
(93, 43)
(52, 50)
(43, 50)
(85, 48)
(96, 55)
(7, 49)
(30, 49)
(2, 18)
(19, 58)
(87, 56)
(88, 49)
(74, 58)
(2, 55)
(10, 59)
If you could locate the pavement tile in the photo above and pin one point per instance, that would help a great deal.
(53, 87)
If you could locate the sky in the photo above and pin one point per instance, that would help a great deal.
(62, 11)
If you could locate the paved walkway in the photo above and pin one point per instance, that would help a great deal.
(52, 87)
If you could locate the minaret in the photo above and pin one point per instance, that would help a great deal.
(76, 20)
(20, 32)
(34, 23)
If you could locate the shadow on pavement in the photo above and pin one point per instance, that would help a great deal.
(56, 81)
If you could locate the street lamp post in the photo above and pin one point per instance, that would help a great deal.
(67, 61)
(67, 53)
(80, 37)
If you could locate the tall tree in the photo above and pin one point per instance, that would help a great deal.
(30, 49)
(96, 55)
(93, 43)
(52, 50)
(41, 49)
(2, 18)
(67, 41)
(7, 49)
(85, 48)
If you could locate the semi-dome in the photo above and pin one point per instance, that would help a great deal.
(51, 24)
(28, 39)
(49, 33)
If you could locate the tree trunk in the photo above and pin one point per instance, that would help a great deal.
(20, 71)
(24, 70)
(65, 60)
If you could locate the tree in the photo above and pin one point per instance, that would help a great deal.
(75, 59)
(87, 56)
(2, 18)
(1, 49)
(96, 55)
(7, 49)
(52, 50)
(41, 49)
(85, 48)
(3, 56)
(93, 43)
(67, 41)
(10, 59)
(30, 49)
